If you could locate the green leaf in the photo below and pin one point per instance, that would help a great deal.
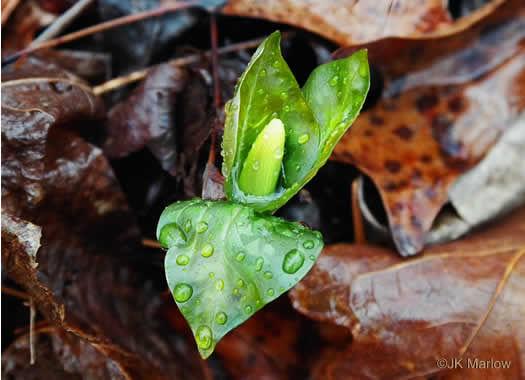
(336, 92)
(225, 262)
(314, 119)
(267, 90)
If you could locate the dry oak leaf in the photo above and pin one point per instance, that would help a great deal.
(464, 299)
(445, 103)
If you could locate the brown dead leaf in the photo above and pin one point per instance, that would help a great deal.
(460, 300)
(84, 278)
(147, 117)
(446, 102)
(351, 22)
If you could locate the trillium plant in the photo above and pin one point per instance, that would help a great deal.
(227, 259)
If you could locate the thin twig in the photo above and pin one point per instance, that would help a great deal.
(7, 11)
(62, 22)
(100, 28)
(15, 293)
(32, 315)
(115, 83)
(150, 243)
(357, 217)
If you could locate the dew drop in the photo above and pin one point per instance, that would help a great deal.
(202, 227)
(256, 165)
(268, 275)
(235, 291)
(339, 94)
(286, 108)
(221, 318)
(278, 153)
(333, 81)
(309, 244)
(270, 292)
(262, 73)
(235, 106)
(182, 292)
(240, 256)
(198, 302)
(312, 257)
(207, 250)
(248, 309)
(219, 284)
(281, 289)
(284, 95)
(345, 80)
(211, 275)
(303, 139)
(204, 337)
(293, 261)
(187, 226)
(260, 91)
(257, 302)
(318, 235)
(240, 282)
(297, 168)
(276, 64)
(183, 260)
(243, 298)
(259, 264)
(171, 235)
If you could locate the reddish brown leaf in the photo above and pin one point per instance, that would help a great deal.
(446, 102)
(460, 300)
(351, 22)
(85, 281)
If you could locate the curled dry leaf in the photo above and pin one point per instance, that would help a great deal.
(85, 281)
(459, 300)
(147, 117)
(446, 102)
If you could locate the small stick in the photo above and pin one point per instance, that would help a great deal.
(62, 22)
(100, 28)
(32, 315)
(8, 9)
(357, 217)
(15, 293)
(115, 83)
(150, 243)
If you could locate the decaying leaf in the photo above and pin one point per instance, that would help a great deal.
(83, 279)
(446, 102)
(147, 117)
(350, 22)
(459, 300)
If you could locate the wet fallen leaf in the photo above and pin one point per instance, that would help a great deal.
(459, 300)
(446, 102)
(349, 22)
(147, 117)
(84, 278)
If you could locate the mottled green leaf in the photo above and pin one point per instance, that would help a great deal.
(336, 92)
(225, 262)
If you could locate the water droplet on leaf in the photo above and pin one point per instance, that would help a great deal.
(333, 81)
(309, 244)
(303, 139)
(204, 337)
(182, 292)
(276, 64)
(183, 260)
(270, 292)
(240, 256)
(293, 261)
(240, 282)
(259, 264)
(221, 318)
(248, 309)
(263, 73)
(207, 250)
(171, 235)
(219, 284)
(268, 274)
(202, 227)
